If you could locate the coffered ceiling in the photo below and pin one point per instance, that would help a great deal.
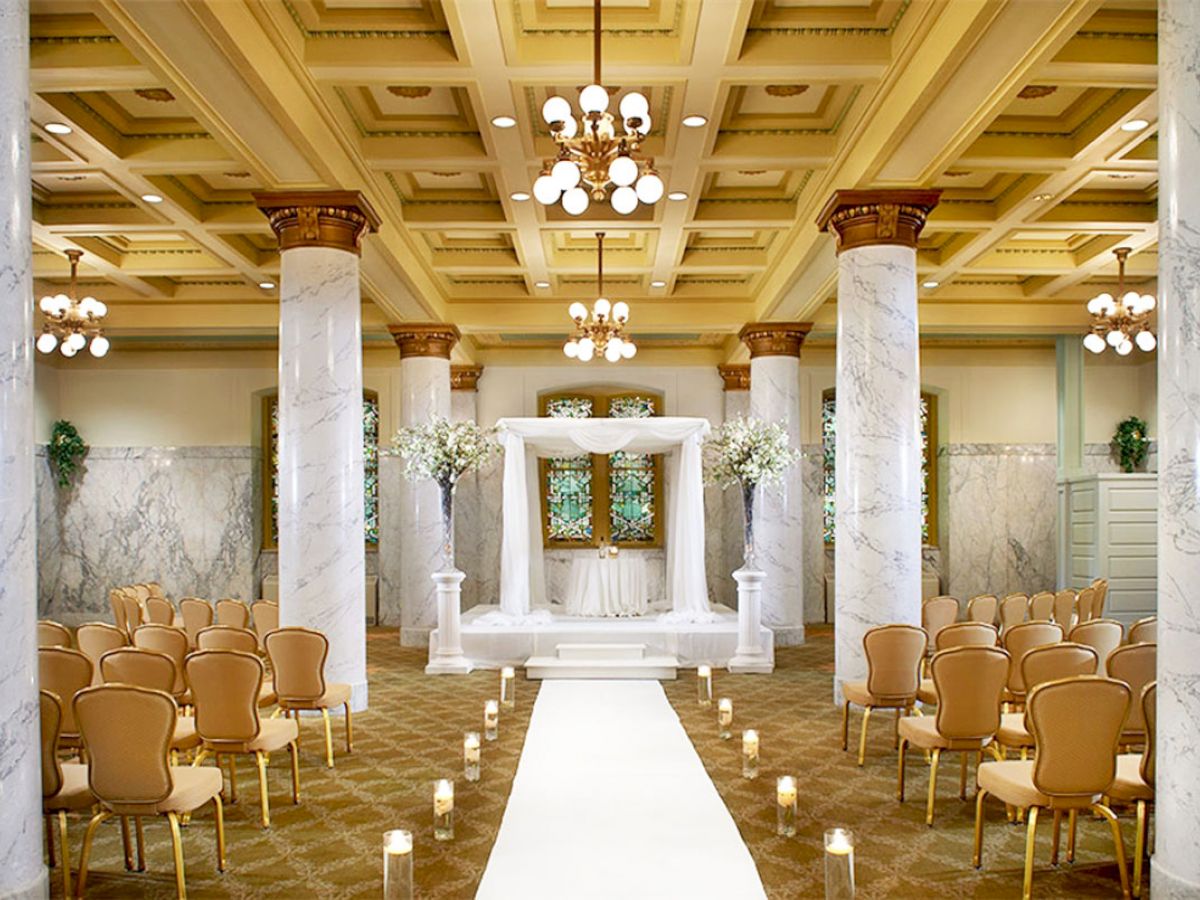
(1013, 108)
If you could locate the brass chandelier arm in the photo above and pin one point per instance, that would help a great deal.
(596, 37)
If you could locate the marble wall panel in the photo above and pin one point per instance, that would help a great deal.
(391, 542)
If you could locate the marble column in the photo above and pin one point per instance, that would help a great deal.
(322, 557)
(424, 393)
(877, 540)
(21, 871)
(736, 380)
(1175, 870)
(468, 536)
(778, 520)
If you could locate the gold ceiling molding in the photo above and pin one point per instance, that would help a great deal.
(736, 377)
(235, 174)
(1036, 91)
(867, 218)
(774, 338)
(785, 90)
(335, 219)
(409, 91)
(157, 95)
(434, 339)
(465, 378)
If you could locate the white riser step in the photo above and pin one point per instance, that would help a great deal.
(600, 651)
(649, 667)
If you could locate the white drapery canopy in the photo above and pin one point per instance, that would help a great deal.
(522, 567)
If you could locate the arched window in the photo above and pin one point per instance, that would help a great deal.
(615, 499)
(370, 424)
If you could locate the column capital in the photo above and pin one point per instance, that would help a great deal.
(465, 378)
(736, 378)
(425, 339)
(335, 219)
(866, 218)
(774, 338)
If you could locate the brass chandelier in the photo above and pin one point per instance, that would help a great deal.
(71, 323)
(591, 153)
(1122, 321)
(604, 332)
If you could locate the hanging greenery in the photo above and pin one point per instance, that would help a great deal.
(66, 449)
(1132, 443)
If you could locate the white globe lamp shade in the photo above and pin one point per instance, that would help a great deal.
(46, 342)
(587, 345)
(1102, 301)
(1125, 347)
(615, 341)
(556, 109)
(623, 171)
(1130, 298)
(1146, 341)
(1115, 338)
(100, 307)
(1094, 305)
(634, 105)
(565, 174)
(593, 99)
(87, 306)
(571, 349)
(570, 127)
(601, 308)
(586, 352)
(649, 188)
(67, 350)
(624, 200)
(1148, 302)
(77, 340)
(612, 352)
(99, 346)
(644, 125)
(546, 190)
(46, 304)
(577, 311)
(61, 303)
(628, 349)
(1094, 342)
(620, 311)
(575, 201)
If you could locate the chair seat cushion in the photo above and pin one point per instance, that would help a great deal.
(1128, 786)
(921, 731)
(75, 792)
(1012, 731)
(193, 788)
(854, 691)
(274, 734)
(337, 694)
(185, 737)
(927, 693)
(1012, 782)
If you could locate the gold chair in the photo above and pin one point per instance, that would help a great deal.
(97, 638)
(1049, 662)
(936, 614)
(155, 590)
(226, 684)
(1064, 608)
(960, 634)
(1144, 631)
(1085, 605)
(1041, 606)
(1104, 635)
(196, 614)
(53, 634)
(1136, 665)
(174, 643)
(1100, 600)
(127, 731)
(1135, 781)
(297, 658)
(1076, 724)
(982, 609)
(1018, 641)
(64, 787)
(1014, 609)
(969, 683)
(894, 654)
(140, 592)
(134, 617)
(226, 637)
(116, 601)
(157, 672)
(159, 611)
(64, 673)
(266, 619)
(234, 613)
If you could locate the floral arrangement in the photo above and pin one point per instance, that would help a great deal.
(65, 450)
(1132, 443)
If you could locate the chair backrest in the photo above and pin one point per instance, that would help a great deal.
(159, 611)
(133, 612)
(64, 672)
(155, 590)
(141, 593)
(226, 637)
(196, 614)
(1076, 723)
(1014, 609)
(266, 618)
(1052, 662)
(233, 612)
(53, 634)
(169, 640)
(1085, 605)
(1100, 600)
(144, 668)
(936, 614)
(1041, 605)
(51, 718)
(970, 682)
(298, 662)
(1105, 635)
(127, 731)
(1144, 631)
(967, 634)
(982, 608)
(225, 685)
(894, 654)
(1136, 665)
(1022, 638)
(117, 602)
(1150, 716)
(95, 639)
(1064, 608)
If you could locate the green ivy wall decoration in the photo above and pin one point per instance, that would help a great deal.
(65, 450)
(1132, 443)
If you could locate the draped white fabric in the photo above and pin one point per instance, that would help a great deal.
(522, 567)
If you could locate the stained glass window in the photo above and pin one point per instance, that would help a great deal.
(928, 467)
(631, 480)
(568, 480)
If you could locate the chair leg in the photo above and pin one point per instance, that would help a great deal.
(126, 843)
(232, 777)
(933, 767)
(962, 775)
(1139, 848)
(87, 850)
(262, 758)
(294, 747)
(66, 852)
(328, 738)
(1118, 844)
(1072, 819)
(1030, 843)
(220, 815)
(1054, 844)
(349, 729)
(846, 725)
(862, 740)
(49, 842)
(177, 847)
(141, 843)
(896, 731)
(900, 774)
(978, 861)
(200, 757)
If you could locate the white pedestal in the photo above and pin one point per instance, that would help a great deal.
(750, 656)
(448, 659)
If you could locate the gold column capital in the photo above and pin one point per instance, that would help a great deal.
(465, 378)
(736, 378)
(335, 219)
(774, 338)
(425, 339)
(867, 218)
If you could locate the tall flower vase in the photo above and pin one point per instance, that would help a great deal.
(751, 655)
(748, 557)
(447, 492)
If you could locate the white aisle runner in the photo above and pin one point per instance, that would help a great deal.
(611, 801)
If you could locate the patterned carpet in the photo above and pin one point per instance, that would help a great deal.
(329, 846)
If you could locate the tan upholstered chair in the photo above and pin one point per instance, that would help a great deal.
(159, 611)
(134, 614)
(53, 634)
(174, 643)
(960, 634)
(1135, 781)
(298, 662)
(936, 614)
(1064, 608)
(266, 619)
(1041, 606)
(95, 639)
(64, 672)
(226, 685)
(226, 637)
(969, 683)
(64, 787)
(1049, 662)
(155, 590)
(117, 602)
(127, 731)
(1018, 641)
(894, 654)
(140, 592)
(1144, 631)
(1014, 609)
(1104, 635)
(1085, 607)
(1076, 724)
(196, 614)
(1100, 600)
(1136, 665)
(157, 672)
(982, 609)
(234, 613)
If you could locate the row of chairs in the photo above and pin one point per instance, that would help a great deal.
(1067, 607)
(131, 609)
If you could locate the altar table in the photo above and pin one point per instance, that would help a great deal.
(614, 586)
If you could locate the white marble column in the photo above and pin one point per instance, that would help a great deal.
(736, 380)
(778, 519)
(877, 539)
(468, 537)
(322, 556)
(21, 871)
(1175, 870)
(424, 392)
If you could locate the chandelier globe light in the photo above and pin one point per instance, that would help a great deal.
(1123, 321)
(604, 332)
(71, 324)
(597, 151)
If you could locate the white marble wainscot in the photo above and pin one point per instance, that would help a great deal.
(322, 561)
(878, 530)
(186, 517)
(1001, 528)
(1099, 459)
(813, 535)
(1175, 868)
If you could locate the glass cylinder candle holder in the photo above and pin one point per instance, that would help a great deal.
(785, 806)
(704, 685)
(443, 810)
(839, 864)
(397, 865)
(749, 753)
(725, 718)
(471, 756)
(491, 720)
(508, 687)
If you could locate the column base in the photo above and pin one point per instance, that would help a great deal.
(358, 696)
(751, 664)
(788, 635)
(414, 636)
(449, 665)
(1165, 885)
(38, 889)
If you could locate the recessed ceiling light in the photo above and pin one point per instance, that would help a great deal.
(658, 284)
(1135, 125)
(266, 285)
(677, 195)
(930, 284)
(503, 121)
(58, 128)
(519, 196)
(1042, 197)
(541, 284)
(695, 121)
(152, 198)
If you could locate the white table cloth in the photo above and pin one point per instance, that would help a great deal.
(614, 586)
